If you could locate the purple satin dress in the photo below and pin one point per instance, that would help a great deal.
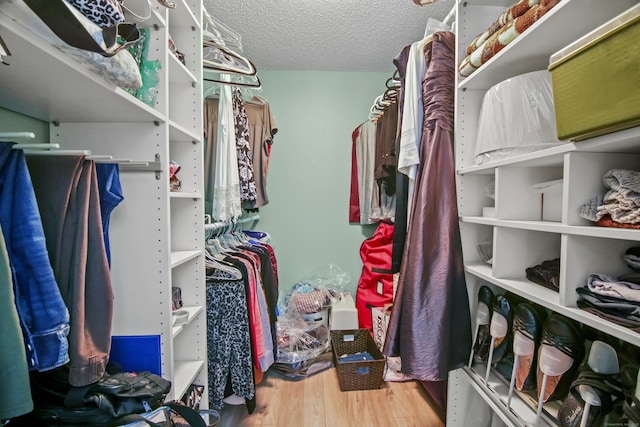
(430, 324)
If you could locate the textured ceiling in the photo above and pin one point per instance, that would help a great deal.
(326, 35)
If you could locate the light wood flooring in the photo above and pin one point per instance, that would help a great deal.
(318, 402)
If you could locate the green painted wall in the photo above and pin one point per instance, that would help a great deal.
(14, 122)
(309, 171)
(310, 167)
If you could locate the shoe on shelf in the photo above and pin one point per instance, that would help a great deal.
(483, 319)
(597, 383)
(630, 408)
(632, 411)
(561, 352)
(527, 332)
(502, 344)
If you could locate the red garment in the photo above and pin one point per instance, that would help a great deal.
(606, 221)
(375, 286)
(272, 256)
(354, 196)
(255, 322)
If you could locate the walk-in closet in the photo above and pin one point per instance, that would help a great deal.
(410, 212)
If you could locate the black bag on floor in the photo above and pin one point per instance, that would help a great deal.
(107, 402)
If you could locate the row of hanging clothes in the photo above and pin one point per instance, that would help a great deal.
(238, 126)
(242, 298)
(241, 267)
(373, 176)
(56, 298)
(410, 135)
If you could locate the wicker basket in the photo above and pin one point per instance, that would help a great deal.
(364, 375)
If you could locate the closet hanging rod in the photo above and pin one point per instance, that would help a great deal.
(28, 151)
(125, 164)
(233, 223)
(450, 15)
(99, 158)
(21, 135)
(45, 146)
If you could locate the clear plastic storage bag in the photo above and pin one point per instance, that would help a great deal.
(299, 340)
(318, 291)
(517, 117)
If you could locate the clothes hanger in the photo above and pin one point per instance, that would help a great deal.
(221, 33)
(433, 26)
(146, 11)
(243, 237)
(257, 99)
(451, 16)
(228, 241)
(255, 84)
(390, 95)
(216, 246)
(212, 52)
(4, 51)
(218, 262)
(393, 82)
(167, 4)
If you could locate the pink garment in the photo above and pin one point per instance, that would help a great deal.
(255, 321)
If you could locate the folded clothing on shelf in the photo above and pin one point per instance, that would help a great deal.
(621, 202)
(509, 15)
(616, 299)
(302, 369)
(546, 274)
(356, 357)
(503, 36)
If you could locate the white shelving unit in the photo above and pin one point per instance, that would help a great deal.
(520, 238)
(157, 236)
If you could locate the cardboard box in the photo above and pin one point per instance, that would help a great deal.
(343, 314)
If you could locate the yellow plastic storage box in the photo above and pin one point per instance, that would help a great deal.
(596, 80)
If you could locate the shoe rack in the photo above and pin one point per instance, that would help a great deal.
(520, 238)
(157, 236)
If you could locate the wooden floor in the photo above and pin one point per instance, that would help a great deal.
(318, 402)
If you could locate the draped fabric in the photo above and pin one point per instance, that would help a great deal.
(402, 180)
(228, 342)
(262, 129)
(385, 154)
(354, 197)
(15, 394)
(370, 209)
(210, 118)
(241, 318)
(66, 188)
(226, 186)
(238, 139)
(430, 326)
(244, 157)
(43, 315)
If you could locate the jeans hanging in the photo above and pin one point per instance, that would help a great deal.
(43, 315)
